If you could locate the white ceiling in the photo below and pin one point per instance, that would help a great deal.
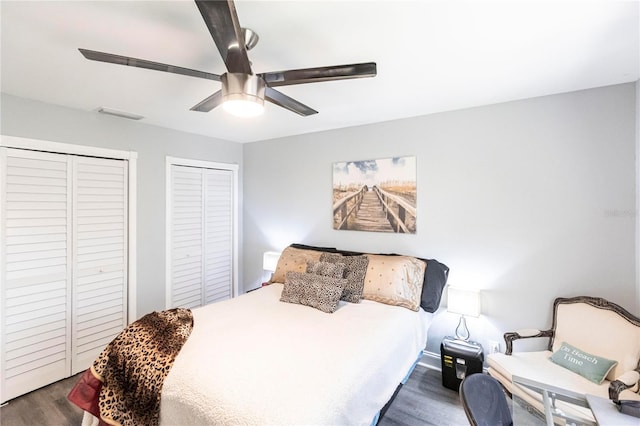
(432, 56)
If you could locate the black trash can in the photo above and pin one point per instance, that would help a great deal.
(459, 359)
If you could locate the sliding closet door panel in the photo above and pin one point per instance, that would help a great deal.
(187, 228)
(36, 281)
(218, 235)
(100, 256)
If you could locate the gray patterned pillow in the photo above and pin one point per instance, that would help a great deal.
(328, 269)
(355, 271)
(317, 291)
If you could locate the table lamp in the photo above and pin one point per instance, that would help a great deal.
(464, 302)
(270, 261)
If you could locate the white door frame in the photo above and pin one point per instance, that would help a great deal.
(72, 149)
(234, 168)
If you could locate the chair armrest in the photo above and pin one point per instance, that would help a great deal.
(511, 336)
(625, 381)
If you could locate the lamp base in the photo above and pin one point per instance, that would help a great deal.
(462, 332)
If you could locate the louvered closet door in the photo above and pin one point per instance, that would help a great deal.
(201, 236)
(36, 278)
(187, 236)
(218, 235)
(100, 256)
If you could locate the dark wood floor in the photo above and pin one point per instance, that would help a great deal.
(46, 406)
(424, 401)
(421, 401)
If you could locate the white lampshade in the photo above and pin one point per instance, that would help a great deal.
(463, 301)
(270, 260)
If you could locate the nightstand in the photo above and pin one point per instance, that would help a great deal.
(459, 359)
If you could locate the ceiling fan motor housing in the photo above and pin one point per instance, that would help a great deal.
(242, 87)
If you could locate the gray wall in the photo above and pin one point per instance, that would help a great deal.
(36, 120)
(526, 200)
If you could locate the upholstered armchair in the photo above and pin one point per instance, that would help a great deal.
(598, 336)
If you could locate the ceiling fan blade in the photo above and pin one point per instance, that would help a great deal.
(318, 74)
(209, 103)
(141, 63)
(280, 99)
(222, 21)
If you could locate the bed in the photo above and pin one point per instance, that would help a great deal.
(256, 360)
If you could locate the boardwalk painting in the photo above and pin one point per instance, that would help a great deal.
(375, 195)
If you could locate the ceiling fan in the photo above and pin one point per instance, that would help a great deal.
(243, 92)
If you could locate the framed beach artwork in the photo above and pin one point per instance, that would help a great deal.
(375, 195)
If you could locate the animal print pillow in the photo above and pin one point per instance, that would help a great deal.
(328, 269)
(355, 270)
(317, 291)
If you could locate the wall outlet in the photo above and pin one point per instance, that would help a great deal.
(494, 346)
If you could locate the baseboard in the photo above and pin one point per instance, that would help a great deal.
(430, 360)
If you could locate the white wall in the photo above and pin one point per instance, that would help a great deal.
(36, 120)
(527, 200)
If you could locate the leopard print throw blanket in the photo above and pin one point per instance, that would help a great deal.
(132, 368)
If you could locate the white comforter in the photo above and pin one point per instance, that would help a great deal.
(254, 360)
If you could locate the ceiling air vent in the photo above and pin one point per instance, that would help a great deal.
(122, 114)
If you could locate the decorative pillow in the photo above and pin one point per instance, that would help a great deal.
(328, 269)
(318, 291)
(591, 367)
(394, 280)
(355, 270)
(293, 259)
(435, 278)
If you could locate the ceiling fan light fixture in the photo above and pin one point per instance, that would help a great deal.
(242, 94)
(243, 107)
